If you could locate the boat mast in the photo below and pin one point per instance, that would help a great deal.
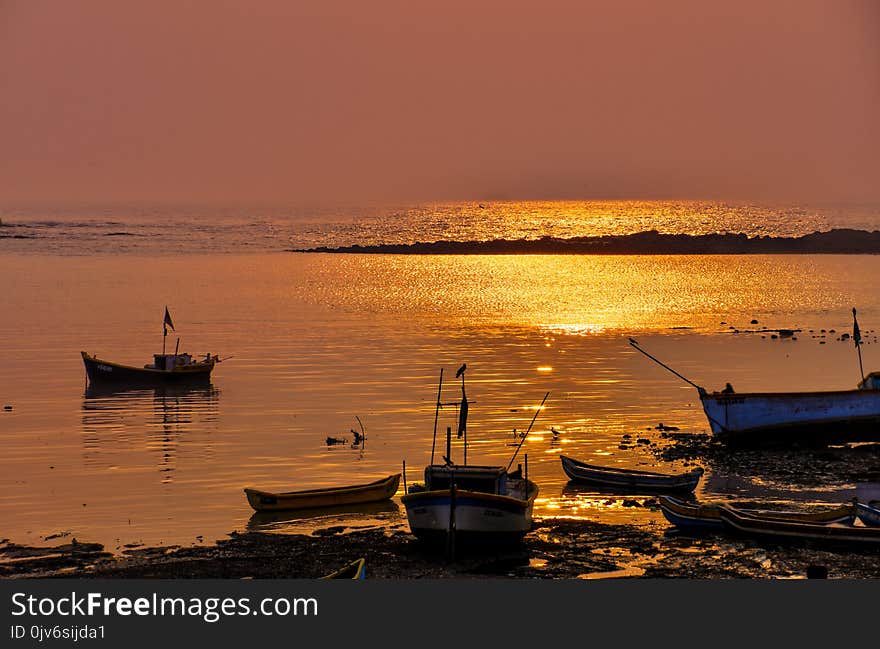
(436, 415)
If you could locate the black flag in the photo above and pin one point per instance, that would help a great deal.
(167, 320)
(857, 335)
(462, 415)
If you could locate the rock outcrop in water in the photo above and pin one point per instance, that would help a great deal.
(839, 241)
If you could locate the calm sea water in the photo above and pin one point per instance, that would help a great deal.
(314, 342)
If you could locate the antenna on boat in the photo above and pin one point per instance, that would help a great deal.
(526, 434)
(436, 415)
(635, 346)
(857, 337)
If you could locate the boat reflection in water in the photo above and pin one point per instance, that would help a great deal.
(120, 425)
(307, 520)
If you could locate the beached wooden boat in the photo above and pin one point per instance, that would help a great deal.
(630, 479)
(708, 516)
(788, 530)
(354, 570)
(271, 501)
(466, 504)
(868, 514)
(481, 503)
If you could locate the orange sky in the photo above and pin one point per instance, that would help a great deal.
(323, 101)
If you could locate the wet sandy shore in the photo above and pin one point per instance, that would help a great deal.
(555, 549)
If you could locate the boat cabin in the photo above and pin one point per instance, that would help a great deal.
(169, 361)
(484, 479)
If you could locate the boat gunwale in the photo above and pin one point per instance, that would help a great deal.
(198, 367)
(477, 495)
(736, 395)
(698, 471)
(765, 526)
(358, 566)
(709, 512)
(388, 480)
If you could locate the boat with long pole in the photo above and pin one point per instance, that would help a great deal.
(848, 415)
(464, 504)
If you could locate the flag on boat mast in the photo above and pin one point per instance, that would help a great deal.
(857, 334)
(463, 413)
(857, 338)
(167, 322)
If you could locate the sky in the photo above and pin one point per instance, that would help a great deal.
(328, 101)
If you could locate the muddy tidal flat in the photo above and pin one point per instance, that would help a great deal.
(556, 548)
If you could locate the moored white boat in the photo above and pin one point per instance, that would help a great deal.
(486, 503)
(470, 503)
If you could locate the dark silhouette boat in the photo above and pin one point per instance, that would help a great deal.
(165, 368)
(630, 479)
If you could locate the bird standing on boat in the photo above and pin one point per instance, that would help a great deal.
(461, 370)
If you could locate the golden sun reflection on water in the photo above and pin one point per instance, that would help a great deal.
(318, 340)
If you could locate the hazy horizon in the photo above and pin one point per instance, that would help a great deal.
(328, 103)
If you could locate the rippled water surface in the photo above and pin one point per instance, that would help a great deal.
(314, 342)
(171, 230)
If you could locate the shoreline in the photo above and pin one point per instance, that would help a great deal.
(836, 241)
(556, 547)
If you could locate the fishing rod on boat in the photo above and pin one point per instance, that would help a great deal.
(635, 346)
(526, 434)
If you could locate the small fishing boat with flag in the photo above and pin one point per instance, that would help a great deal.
(466, 504)
(179, 367)
(845, 415)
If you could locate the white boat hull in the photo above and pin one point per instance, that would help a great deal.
(476, 516)
(843, 413)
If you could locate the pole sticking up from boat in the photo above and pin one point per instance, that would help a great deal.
(526, 434)
(635, 346)
(436, 415)
(857, 337)
(405, 489)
